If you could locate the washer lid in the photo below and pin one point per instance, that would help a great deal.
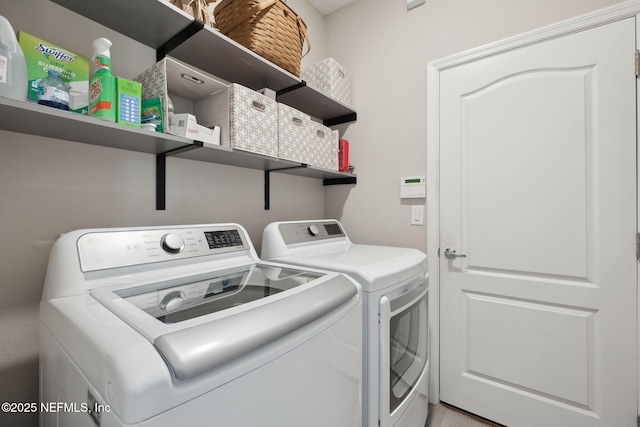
(201, 322)
(374, 267)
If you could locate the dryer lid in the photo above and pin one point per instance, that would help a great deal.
(374, 267)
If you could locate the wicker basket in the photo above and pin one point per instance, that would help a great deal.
(197, 8)
(269, 28)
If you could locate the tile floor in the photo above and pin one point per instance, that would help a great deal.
(444, 416)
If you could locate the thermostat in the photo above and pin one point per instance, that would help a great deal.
(412, 187)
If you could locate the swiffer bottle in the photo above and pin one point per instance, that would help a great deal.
(13, 67)
(102, 90)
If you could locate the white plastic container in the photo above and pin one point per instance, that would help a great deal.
(13, 67)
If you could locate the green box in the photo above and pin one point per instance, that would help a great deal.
(128, 100)
(41, 56)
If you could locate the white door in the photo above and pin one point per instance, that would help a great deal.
(537, 189)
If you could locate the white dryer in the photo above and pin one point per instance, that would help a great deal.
(395, 292)
(168, 326)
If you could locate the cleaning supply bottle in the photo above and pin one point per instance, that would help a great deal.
(52, 91)
(102, 90)
(13, 67)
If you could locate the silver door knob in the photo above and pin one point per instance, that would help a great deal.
(450, 253)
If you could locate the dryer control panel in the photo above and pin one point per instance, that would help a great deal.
(113, 249)
(300, 232)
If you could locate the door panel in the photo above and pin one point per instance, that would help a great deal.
(559, 336)
(537, 189)
(551, 136)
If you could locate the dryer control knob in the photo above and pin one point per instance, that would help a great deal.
(172, 243)
(313, 230)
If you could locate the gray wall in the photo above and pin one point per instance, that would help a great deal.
(386, 50)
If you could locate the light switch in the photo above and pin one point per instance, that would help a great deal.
(417, 215)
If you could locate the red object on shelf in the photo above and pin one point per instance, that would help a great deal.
(343, 155)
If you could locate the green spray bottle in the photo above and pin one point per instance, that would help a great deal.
(102, 90)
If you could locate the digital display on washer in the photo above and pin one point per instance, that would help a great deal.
(223, 239)
(332, 229)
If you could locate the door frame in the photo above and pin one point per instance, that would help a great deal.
(593, 19)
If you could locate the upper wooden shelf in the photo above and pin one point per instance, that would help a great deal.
(170, 31)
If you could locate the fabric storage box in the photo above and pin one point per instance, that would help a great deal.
(295, 141)
(248, 120)
(324, 152)
(302, 140)
(330, 78)
(187, 87)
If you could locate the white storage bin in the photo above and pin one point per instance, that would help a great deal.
(253, 121)
(302, 140)
(248, 120)
(324, 152)
(295, 141)
(188, 88)
(330, 78)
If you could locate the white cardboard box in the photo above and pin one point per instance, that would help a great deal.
(187, 126)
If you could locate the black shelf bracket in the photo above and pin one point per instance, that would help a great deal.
(161, 172)
(340, 181)
(195, 26)
(267, 184)
(347, 118)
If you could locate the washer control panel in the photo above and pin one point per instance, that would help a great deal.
(299, 232)
(113, 249)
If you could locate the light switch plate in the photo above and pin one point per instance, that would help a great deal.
(417, 215)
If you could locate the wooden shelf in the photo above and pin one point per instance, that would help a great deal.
(175, 33)
(151, 22)
(39, 120)
(170, 31)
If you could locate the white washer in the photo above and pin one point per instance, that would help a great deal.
(168, 326)
(395, 286)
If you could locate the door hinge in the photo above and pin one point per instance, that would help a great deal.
(637, 63)
(637, 245)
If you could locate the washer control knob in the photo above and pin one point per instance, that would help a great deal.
(172, 300)
(172, 243)
(313, 230)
